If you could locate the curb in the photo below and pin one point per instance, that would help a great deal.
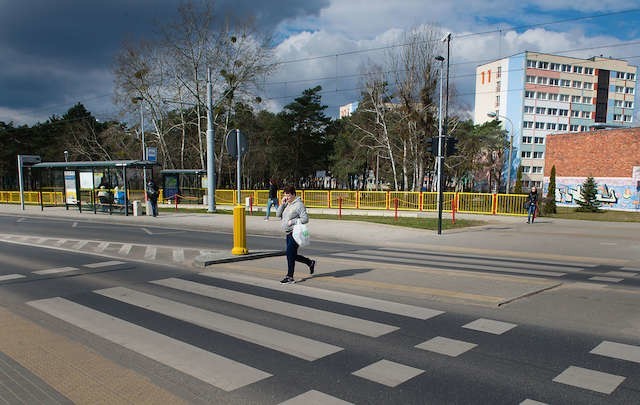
(224, 256)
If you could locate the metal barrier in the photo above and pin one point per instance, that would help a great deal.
(469, 203)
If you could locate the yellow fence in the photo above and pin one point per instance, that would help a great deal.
(469, 203)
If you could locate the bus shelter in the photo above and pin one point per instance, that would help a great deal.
(108, 186)
(183, 184)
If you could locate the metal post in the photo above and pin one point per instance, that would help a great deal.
(211, 169)
(238, 165)
(144, 153)
(440, 142)
(21, 181)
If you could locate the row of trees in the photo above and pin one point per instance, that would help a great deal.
(166, 78)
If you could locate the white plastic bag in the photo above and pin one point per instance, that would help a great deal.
(301, 234)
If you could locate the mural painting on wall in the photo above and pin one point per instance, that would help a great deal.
(618, 194)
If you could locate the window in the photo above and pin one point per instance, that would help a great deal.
(539, 125)
(619, 89)
(531, 79)
(541, 80)
(577, 69)
(527, 124)
(552, 111)
(620, 75)
(587, 100)
(564, 97)
(526, 169)
(587, 86)
(562, 127)
(531, 63)
(588, 71)
(631, 76)
(526, 139)
(539, 140)
(543, 65)
(617, 103)
(617, 117)
(583, 128)
(553, 96)
(525, 155)
(554, 82)
(536, 169)
(497, 101)
(565, 83)
(575, 99)
(554, 66)
(575, 113)
(626, 118)
(574, 128)
(540, 110)
(629, 90)
(586, 114)
(628, 104)
(541, 95)
(499, 72)
(576, 84)
(563, 112)
(566, 68)
(551, 126)
(529, 94)
(528, 109)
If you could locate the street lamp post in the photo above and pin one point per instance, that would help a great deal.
(137, 100)
(440, 142)
(509, 161)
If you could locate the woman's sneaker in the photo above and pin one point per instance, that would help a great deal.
(287, 280)
(312, 266)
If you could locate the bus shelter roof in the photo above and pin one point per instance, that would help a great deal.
(183, 171)
(97, 164)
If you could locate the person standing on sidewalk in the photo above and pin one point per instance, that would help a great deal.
(292, 210)
(273, 197)
(532, 205)
(152, 195)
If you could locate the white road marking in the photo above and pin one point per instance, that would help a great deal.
(101, 246)
(446, 346)
(606, 279)
(11, 277)
(388, 373)
(55, 271)
(490, 326)
(317, 316)
(150, 253)
(178, 255)
(209, 367)
(80, 244)
(335, 296)
(298, 346)
(590, 379)
(103, 264)
(314, 397)
(125, 249)
(618, 351)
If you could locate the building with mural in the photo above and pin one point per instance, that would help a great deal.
(610, 156)
(537, 94)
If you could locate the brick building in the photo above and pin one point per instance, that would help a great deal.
(610, 156)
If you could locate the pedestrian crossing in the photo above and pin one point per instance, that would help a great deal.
(292, 325)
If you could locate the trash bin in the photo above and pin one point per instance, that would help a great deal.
(137, 208)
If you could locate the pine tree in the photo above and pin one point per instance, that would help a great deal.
(588, 193)
(550, 202)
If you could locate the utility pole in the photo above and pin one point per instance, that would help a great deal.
(211, 169)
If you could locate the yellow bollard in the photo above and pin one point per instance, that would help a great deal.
(239, 232)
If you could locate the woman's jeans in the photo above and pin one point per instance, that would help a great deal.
(270, 202)
(293, 256)
(531, 213)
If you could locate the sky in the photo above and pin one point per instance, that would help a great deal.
(54, 54)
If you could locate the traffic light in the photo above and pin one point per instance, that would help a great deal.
(432, 146)
(451, 146)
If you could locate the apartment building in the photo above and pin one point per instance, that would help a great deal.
(537, 94)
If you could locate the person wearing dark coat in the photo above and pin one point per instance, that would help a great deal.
(152, 196)
(532, 205)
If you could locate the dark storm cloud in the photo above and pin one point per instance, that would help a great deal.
(52, 48)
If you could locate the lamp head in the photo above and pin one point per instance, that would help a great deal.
(440, 58)
(492, 114)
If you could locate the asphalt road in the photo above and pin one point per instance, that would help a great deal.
(376, 325)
